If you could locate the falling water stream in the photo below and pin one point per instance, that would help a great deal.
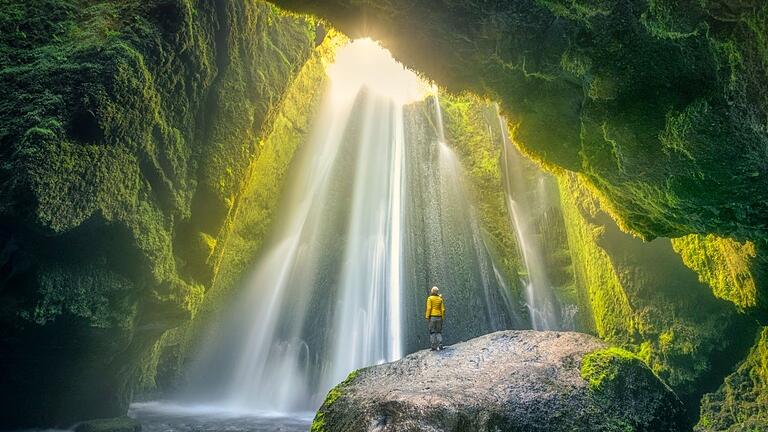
(524, 204)
(377, 210)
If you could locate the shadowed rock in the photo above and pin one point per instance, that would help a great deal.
(504, 381)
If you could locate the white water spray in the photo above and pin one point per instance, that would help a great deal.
(538, 290)
(325, 296)
(328, 293)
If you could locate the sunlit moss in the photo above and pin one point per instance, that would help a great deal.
(614, 377)
(638, 296)
(602, 366)
(741, 403)
(257, 199)
(318, 424)
(723, 264)
(601, 293)
(472, 128)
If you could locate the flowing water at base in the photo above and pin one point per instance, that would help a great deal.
(169, 417)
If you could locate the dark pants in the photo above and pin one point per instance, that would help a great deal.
(435, 332)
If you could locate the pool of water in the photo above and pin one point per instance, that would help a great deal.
(169, 417)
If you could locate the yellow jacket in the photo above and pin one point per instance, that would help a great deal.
(435, 307)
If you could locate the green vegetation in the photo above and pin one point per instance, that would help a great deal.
(740, 403)
(614, 377)
(605, 307)
(127, 129)
(641, 297)
(318, 424)
(723, 264)
(257, 200)
(472, 128)
(603, 367)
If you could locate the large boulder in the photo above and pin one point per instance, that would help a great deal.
(504, 381)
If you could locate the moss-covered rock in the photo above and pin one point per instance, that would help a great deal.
(511, 380)
(318, 423)
(741, 403)
(731, 268)
(615, 378)
(640, 296)
(126, 130)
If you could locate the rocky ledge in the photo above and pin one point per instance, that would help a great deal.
(506, 381)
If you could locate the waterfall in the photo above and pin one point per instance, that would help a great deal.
(443, 241)
(525, 201)
(376, 212)
(324, 298)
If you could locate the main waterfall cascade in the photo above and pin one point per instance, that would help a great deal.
(377, 211)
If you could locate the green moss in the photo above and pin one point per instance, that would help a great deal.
(89, 292)
(578, 10)
(641, 297)
(741, 403)
(605, 305)
(615, 377)
(318, 423)
(256, 201)
(472, 128)
(723, 264)
(601, 367)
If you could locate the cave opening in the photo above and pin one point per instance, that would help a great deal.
(238, 205)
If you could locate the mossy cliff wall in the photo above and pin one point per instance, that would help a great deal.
(641, 296)
(127, 132)
(740, 403)
(167, 366)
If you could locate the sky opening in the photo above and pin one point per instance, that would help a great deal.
(363, 62)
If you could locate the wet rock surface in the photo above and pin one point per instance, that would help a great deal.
(510, 380)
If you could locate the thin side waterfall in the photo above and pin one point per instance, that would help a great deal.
(443, 241)
(498, 300)
(525, 199)
(491, 282)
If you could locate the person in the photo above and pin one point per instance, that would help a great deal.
(435, 316)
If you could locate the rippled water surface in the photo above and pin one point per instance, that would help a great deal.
(166, 417)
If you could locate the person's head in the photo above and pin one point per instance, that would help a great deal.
(434, 291)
